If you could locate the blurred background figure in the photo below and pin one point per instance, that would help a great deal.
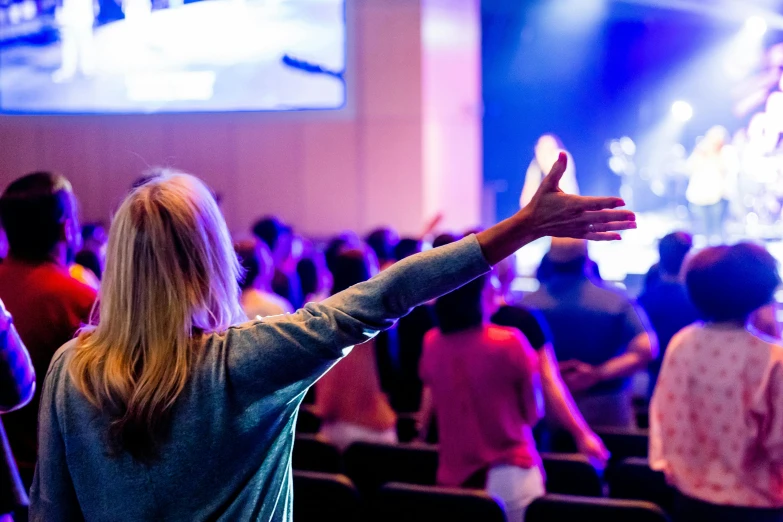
(75, 19)
(665, 300)
(349, 398)
(546, 151)
(710, 184)
(715, 419)
(601, 339)
(257, 297)
(314, 276)
(279, 238)
(383, 241)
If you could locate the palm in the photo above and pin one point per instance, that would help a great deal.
(565, 215)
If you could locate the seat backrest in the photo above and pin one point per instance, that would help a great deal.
(624, 443)
(312, 453)
(584, 509)
(307, 421)
(571, 474)
(633, 479)
(371, 465)
(397, 502)
(323, 497)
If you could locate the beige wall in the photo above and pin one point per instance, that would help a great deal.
(389, 157)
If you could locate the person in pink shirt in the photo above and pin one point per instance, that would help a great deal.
(483, 384)
(716, 417)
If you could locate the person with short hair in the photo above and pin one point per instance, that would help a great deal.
(716, 417)
(349, 398)
(279, 237)
(170, 407)
(601, 338)
(258, 300)
(666, 301)
(38, 212)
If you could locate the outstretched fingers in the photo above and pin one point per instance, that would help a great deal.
(592, 203)
(603, 236)
(552, 180)
(606, 216)
(612, 226)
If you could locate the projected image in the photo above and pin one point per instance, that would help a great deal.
(129, 56)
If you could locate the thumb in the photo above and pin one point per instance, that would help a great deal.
(552, 180)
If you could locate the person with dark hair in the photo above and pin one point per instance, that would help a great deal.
(666, 301)
(38, 212)
(382, 241)
(257, 298)
(716, 417)
(482, 383)
(315, 278)
(349, 398)
(279, 237)
(407, 247)
(444, 239)
(561, 409)
(601, 338)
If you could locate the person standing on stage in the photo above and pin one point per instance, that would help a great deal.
(547, 149)
(709, 183)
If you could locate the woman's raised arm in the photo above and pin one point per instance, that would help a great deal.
(301, 346)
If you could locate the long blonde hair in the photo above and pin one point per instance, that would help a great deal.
(171, 275)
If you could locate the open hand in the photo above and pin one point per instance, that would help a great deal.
(552, 212)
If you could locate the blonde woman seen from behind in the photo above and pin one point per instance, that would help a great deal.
(168, 409)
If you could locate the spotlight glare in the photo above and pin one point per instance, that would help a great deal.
(756, 25)
(682, 111)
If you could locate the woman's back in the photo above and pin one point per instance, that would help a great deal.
(478, 379)
(716, 422)
(226, 453)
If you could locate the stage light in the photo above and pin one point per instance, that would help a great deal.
(756, 25)
(682, 111)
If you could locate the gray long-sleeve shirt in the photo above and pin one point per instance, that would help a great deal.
(232, 430)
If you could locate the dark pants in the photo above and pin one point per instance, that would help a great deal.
(708, 219)
(688, 509)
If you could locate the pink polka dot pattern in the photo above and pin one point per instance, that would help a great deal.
(716, 418)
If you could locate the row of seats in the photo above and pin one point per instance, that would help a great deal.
(320, 497)
(370, 466)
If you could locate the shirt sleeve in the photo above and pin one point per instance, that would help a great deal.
(298, 348)
(17, 376)
(52, 495)
(635, 322)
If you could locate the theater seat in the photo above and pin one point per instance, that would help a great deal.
(397, 502)
(552, 508)
(571, 474)
(372, 465)
(307, 422)
(633, 479)
(312, 453)
(324, 497)
(624, 443)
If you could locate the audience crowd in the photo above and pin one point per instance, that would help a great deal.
(498, 376)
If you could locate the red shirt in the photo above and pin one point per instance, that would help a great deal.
(48, 306)
(479, 378)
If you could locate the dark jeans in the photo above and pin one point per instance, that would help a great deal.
(688, 509)
(708, 219)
